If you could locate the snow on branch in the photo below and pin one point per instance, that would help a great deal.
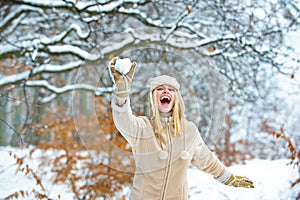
(5, 80)
(158, 23)
(177, 39)
(12, 27)
(8, 49)
(88, 6)
(68, 88)
(61, 49)
(45, 3)
(17, 12)
(32, 44)
(61, 36)
(142, 17)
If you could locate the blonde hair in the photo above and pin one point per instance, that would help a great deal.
(177, 114)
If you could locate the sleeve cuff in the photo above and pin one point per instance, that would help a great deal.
(224, 177)
(118, 108)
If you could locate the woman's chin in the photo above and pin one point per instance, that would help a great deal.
(164, 109)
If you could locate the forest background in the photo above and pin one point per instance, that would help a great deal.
(238, 63)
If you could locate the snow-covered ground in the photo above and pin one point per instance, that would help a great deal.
(12, 180)
(271, 178)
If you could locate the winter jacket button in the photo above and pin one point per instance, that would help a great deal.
(163, 154)
(185, 155)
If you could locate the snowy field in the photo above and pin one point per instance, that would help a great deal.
(271, 178)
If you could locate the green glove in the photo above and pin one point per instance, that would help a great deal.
(239, 181)
(121, 81)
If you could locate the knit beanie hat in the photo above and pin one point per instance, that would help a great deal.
(164, 79)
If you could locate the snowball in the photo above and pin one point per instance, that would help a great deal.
(123, 65)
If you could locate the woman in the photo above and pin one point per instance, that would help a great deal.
(165, 144)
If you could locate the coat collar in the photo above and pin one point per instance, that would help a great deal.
(166, 117)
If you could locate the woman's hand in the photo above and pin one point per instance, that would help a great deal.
(121, 81)
(239, 181)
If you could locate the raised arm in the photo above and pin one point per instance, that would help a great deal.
(130, 126)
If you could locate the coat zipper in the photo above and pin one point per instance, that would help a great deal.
(169, 161)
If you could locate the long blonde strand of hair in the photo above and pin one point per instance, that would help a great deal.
(155, 118)
(178, 115)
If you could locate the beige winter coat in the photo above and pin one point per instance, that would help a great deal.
(162, 160)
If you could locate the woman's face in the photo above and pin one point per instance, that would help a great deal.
(166, 96)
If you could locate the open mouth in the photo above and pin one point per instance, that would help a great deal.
(165, 100)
